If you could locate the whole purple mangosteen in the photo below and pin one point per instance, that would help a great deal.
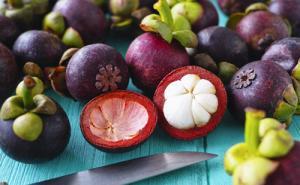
(150, 58)
(39, 47)
(8, 32)
(260, 29)
(8, 72)
(289, 9)
(233, 6)
(223, 44)
(95, 69)
(85, 19)
(285, 52)
(265, 86)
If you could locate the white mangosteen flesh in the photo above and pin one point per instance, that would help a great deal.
(190, 102)
(118, 119)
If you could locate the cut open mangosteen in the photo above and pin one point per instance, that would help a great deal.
(191, 102)
(118, 121)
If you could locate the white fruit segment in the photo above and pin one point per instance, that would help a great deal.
(117, 119)
(190, 102)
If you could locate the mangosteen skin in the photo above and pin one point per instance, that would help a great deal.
(223, 44)
(285, 52)
(210, 16)
(150, 58)
(84, 17)
(86, 65)
(259, 29)
(8, 32)
(264, 91)
(289, 169)
(233, 6)
(8, 73)
(289, 9)
(40, 47)
(52, 141)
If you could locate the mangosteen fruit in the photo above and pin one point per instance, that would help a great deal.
(33, 128)
(233, 6)
(285, 52)
(289, 9)
(269, 155)
(26, 14)
(92, 70)
(39, 47)
(118, 121)
(265, 86)
(191, 102)
(151, 56)
(223, 44)
(201, 14)
(86, 21)
(8, 73)
(8, 32)
(259, 29)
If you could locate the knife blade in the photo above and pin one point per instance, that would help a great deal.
(132, 170)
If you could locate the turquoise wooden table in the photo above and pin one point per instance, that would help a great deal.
(79, 155)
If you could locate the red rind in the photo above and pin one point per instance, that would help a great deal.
(124, 144)
(194, 133)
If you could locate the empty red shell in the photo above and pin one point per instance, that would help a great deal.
(216, 117)
(118, 120)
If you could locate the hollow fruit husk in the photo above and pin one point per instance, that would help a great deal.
(150, 58)
(265, 86)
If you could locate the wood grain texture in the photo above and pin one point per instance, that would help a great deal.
(79, 155)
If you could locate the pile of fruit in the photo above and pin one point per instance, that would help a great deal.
(188, 68)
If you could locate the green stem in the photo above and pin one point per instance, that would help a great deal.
(29, 83)
(253, 118)
(15, 3)
(165, 12)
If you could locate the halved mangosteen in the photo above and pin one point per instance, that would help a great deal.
(118, 121)
(191, 102)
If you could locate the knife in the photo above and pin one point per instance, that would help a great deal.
(132, 170)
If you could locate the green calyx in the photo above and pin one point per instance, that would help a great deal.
(205, 61)
(189, 9)
(286, 107)
(120, 23)
(256, 7)
(37, 89)
(22, 15)
(265, 139)
(25, 108)
(72, 38)
(296, 84)
(254, 171)
(296, 71)
(169, 26)
(28, 126)
(15, 3)
(54, 22)
(226, 71)
(39, 7)
(123, 8)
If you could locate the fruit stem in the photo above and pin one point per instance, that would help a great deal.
(253, 118)
(15, 3)
(27, 95)
(164, 11)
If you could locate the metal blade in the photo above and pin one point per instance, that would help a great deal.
(132, 170)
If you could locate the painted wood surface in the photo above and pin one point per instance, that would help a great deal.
(79, 155)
